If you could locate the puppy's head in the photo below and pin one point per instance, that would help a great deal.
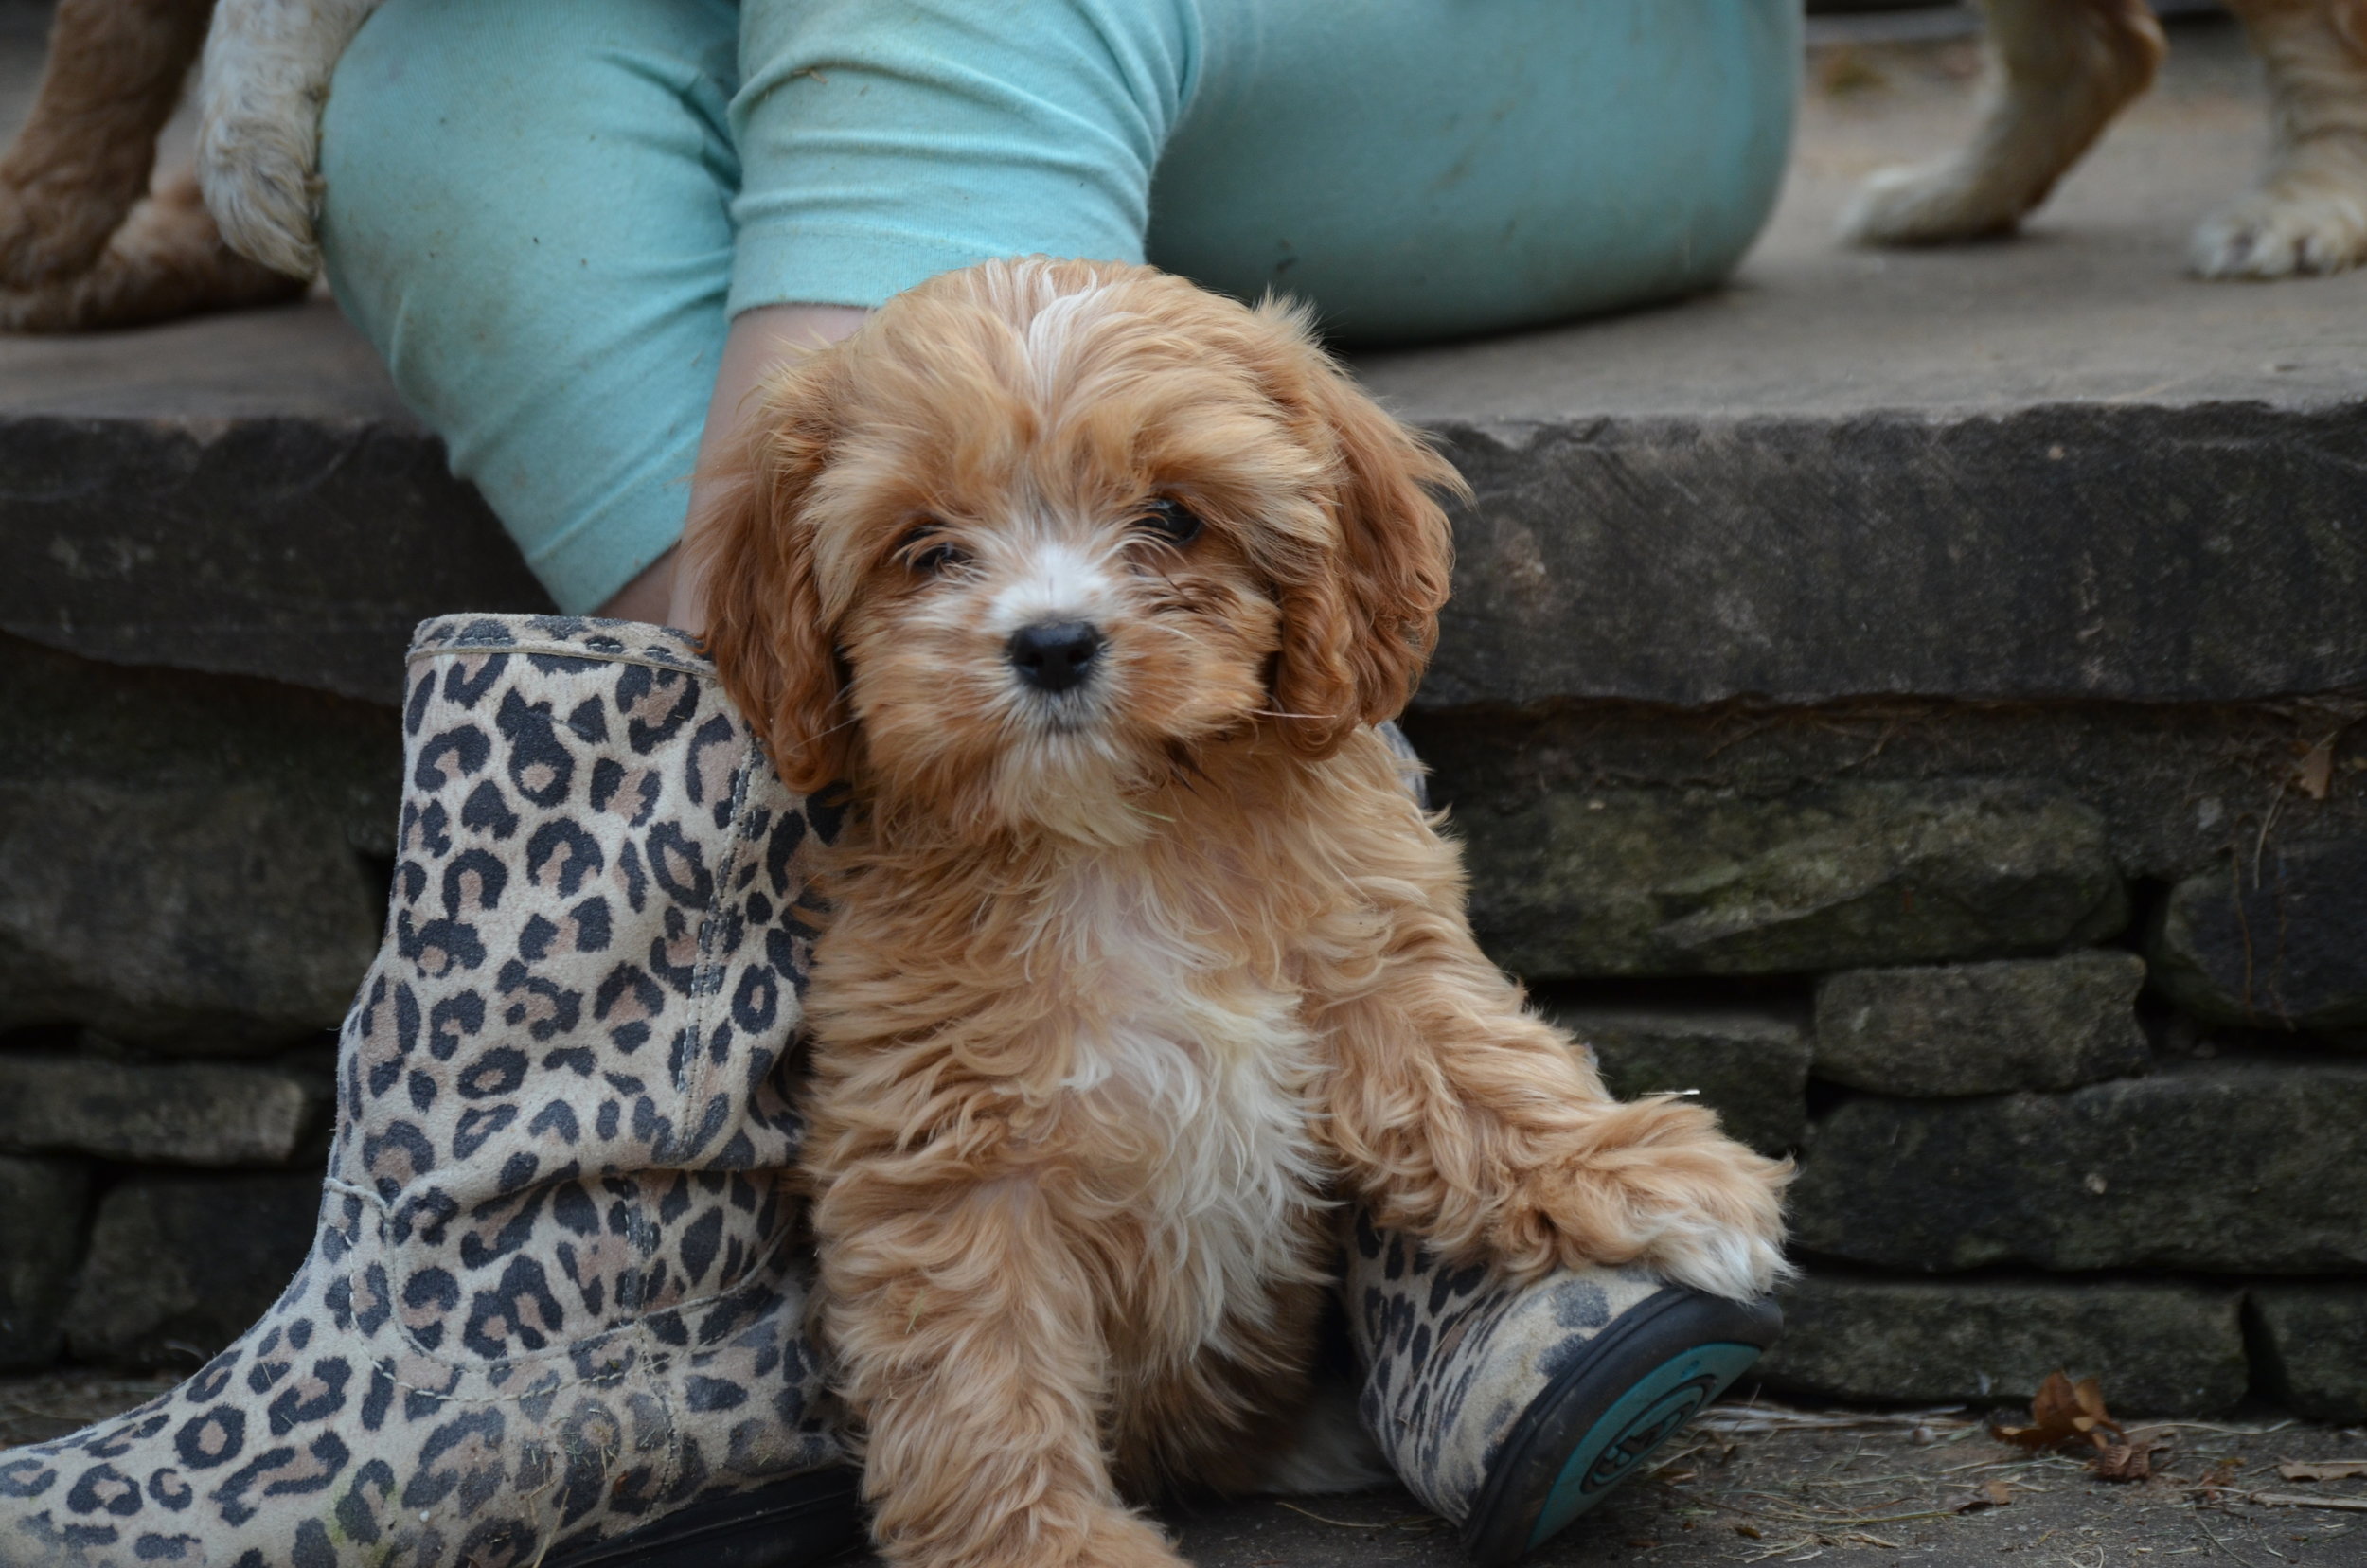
(1041, 533)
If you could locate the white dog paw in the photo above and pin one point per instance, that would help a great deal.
(2276, 233)
(260, 187)
(1725, 1260)
(1926, 204)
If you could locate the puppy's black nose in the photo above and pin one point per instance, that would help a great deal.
(1055, 655)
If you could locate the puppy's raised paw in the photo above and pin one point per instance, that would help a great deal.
(1655, 1183)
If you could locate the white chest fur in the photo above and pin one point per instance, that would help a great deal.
(1198, 1074)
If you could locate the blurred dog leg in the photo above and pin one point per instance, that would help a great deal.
(268, 65)
(82, 157)
(2059, 71)
(2308, 213)
(166, 260)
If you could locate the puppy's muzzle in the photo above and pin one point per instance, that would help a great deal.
(1055, 655)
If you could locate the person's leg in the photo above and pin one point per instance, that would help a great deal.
(1422, 169)
(527, 211)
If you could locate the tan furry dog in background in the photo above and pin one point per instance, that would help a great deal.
(2061, 69)
(1094, 583)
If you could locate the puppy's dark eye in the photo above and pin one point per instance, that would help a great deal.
(1171, 521)
(926, 551)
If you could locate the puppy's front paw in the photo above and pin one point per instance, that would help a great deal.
(1927, 204)
(2292, 225)
(1655, 1183)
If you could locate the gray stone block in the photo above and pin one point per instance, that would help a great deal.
(171, 1113)
(183, 859)
(2222, 1166)
(2277, 941)
(2315, 1337)
(1749, 1065)
(1654, 521)
(1983, 1028)
(179, 1265)
(204, 916)
(278, 526)
(1695, 559)
(2180, 784)
(42, 1204)
(2158, 1349)
(1705, 881)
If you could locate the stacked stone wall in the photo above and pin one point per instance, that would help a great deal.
(192, 871)
(2062, 1007)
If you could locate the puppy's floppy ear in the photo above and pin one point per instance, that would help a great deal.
(1357, 626)
(766, 628)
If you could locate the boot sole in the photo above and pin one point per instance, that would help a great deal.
(806, 1519)
(1596, 1423)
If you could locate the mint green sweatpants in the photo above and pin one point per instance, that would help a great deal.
(544, 213)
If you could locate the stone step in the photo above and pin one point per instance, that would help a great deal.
(2055, 468)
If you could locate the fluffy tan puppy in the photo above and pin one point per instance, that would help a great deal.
(2061, 69)
(1092, 583)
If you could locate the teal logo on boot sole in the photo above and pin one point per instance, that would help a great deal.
(1645, 1417)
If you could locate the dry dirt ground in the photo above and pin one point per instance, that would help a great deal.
(1759, 1484)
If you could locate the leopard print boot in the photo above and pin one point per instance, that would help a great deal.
(1510, 1412)
(552, 1314)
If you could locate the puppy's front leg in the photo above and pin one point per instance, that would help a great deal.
(1475, 1126)
(972, 1350)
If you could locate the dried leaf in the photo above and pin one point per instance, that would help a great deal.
(1999, 1494)
(2126, 1461)
(1978, 1502)
(1750, 1532)
(2064, 1414)
(2316, 769)
(2323, 1470)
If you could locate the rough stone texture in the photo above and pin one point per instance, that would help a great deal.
(179, 1266)
(1711, 882)
(2160, 1349)
(2181, 786)
(1749, 1065)
(2224, 1166)
(203, 917)
(42, 1206)
(1983, 1028)
(171, 1113)
(2315, 1339)
(2274, 940)
(182, 860)
(1668, 559)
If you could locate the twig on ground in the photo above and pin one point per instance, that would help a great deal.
(1753, 1419)
(2296, 1500)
